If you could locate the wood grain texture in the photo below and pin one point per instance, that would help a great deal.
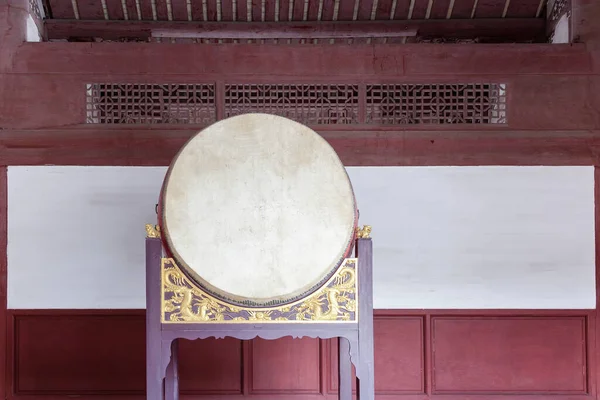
(210, 366)
(516, 354)
(509, 355)
(400, 368)
(359, 61)
(156, 147)
(285, 366)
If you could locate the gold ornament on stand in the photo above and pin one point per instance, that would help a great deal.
(364, 232)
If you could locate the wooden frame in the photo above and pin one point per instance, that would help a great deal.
(355, 338)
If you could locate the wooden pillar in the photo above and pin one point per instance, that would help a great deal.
(13, 30)
(585, 24)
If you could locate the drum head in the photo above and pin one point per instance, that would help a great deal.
(258, 210)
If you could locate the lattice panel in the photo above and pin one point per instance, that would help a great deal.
(401, 104)
(559, 8)
(305, 103)
(139, 103)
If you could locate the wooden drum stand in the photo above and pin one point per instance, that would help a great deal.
(177, 308)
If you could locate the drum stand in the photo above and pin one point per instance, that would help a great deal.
(176, 308)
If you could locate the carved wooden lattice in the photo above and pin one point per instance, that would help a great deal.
(401, 104)
(139, 103)
(310, 104)
(559, 8)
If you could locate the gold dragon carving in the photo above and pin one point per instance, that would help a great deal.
(184, 302)
(152, 231)
(364, 232)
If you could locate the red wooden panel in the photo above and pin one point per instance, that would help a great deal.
(519, 60)
(399, 356)
(538, 103)
(61, 9)
(115, 10)
(36, 101)
(285, 365)
(210, 366)
(128, 146)
(90, 9)
(74, 354)
(523, 9)
(489, 8)
(514, 355)
(304, 62)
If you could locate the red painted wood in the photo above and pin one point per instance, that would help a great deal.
(90, 9)
(313, 62)
(489, 9)
(69, 354)
(4, 349)
(419, 9)
(439, 9)
(237, 30)
(61, 9)
(90, 146)
(81, 353)
(522, 60)
(285, 366)
(36, 101)
(537, 103)
(510, 355)
(399, 356)
(115, 9)
(402, 9)
(211, 366)
(462, 9)
(517, 29)
(524, 8)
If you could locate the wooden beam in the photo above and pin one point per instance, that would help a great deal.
(511, 29)
(130, 146)
(306, 63)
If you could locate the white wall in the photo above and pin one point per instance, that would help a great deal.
(444, 237)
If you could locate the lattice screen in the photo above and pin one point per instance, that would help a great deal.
(401, 104)
(138, 103)
(310, 104)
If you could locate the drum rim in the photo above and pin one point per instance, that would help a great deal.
(241, 301)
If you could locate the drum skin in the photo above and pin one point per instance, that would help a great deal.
(257, 210)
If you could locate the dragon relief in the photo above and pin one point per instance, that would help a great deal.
(184, 302)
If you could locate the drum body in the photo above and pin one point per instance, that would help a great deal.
(258, 210)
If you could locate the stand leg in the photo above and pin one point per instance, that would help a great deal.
(154, 381)
(345, 369)
(366, 383)
(154, 367)
(172, 377)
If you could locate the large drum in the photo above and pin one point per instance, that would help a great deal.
(258, 210)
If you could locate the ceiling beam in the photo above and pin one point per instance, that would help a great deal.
(502, 29)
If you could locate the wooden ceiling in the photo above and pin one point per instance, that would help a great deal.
(303, 21)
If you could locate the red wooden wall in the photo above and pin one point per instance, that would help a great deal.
(553, 105)
(417, 355)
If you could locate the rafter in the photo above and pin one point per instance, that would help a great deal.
(507, 29)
